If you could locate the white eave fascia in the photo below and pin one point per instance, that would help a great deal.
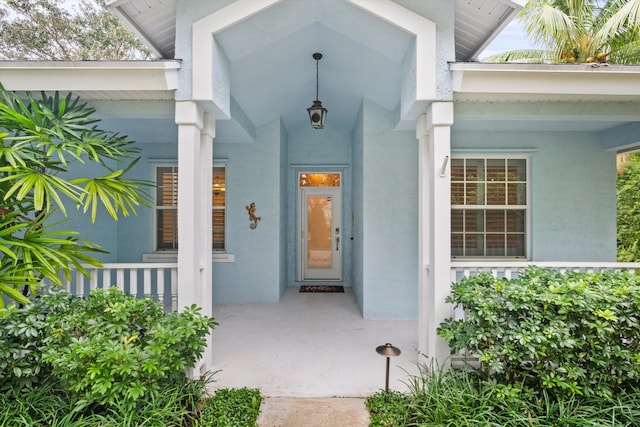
(517, 6)
(540, 81)
(99, 76)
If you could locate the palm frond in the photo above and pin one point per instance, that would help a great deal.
(534, 56)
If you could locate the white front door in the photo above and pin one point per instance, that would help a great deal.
(319, 232)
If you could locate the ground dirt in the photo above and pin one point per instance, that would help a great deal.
(313, 412)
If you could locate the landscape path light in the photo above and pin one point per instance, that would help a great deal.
(388, 351)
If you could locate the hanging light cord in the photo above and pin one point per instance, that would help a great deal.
(317, 79)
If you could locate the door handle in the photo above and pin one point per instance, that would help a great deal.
(337, 243)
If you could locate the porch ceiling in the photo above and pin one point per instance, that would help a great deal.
(271, 67)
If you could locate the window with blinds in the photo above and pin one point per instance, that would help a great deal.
(488, 207)
(167, 208)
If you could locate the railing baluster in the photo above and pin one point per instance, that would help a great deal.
(146, 274)
(93, 281)
(160, 284)
(79, 288)
(133, 282)
(508, 272)
(106, 279)
(174, 289)
(120, 279)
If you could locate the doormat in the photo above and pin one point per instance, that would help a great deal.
(321, 289)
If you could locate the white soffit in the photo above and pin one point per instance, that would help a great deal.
(478, 22)
(153, 21)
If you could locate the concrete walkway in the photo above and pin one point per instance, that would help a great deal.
(309, 345)
(309, 412)
(312, 356)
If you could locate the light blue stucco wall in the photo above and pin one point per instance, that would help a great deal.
(389, 217)
(572, 190)
(253, 176)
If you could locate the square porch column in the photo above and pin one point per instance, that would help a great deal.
(196, 130)
(433, 131)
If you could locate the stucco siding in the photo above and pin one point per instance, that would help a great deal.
(253, 176)
(390, 217)
(572, 190)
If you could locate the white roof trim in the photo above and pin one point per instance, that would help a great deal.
(98, 76)
(540, 82)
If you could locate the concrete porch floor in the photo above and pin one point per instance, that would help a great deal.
(309, 345)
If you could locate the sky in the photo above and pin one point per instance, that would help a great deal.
(513, 37)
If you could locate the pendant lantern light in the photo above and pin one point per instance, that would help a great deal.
(317, 113)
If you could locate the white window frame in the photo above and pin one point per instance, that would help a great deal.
(525, 207)
(169, 255)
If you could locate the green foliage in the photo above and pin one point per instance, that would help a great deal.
(580, 31)
(40, 140)
(463, 399)
(388, 409)
(628, 209)
(570, 334)
(109, 349)
(231, 408)
(176, 405)
(63, 30)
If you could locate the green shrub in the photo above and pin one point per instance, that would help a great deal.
(231, 408)
(109, 349)
(572, 333)
(22, 336)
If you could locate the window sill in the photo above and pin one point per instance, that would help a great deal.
(173, 257)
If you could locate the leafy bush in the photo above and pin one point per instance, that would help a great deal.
(109, 349)
(628, 214)
(231, 408)
(572, 333)
(22, 338)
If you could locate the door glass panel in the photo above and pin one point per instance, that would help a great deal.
(319, 242)
(319, 180)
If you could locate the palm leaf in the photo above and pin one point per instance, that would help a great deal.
(521, 56)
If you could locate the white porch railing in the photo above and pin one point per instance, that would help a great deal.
(509, 269)
(160, 280)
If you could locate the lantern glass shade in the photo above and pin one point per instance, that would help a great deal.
(317, 114)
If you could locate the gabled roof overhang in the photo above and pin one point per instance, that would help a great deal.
(477, 23)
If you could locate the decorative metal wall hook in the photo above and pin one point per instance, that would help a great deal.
(252, 216)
